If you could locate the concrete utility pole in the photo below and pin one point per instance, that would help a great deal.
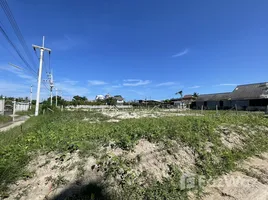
(14, 107)
(31, 97)
(56, 97)
(51, 86)
(42, 49)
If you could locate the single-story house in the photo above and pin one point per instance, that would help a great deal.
(183, 102)
(119, 99)
(244, 97)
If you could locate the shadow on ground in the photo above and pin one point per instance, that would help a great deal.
(90, 191)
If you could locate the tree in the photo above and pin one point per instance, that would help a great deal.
(111, 101)
(195, 95)
(180, 93)
(78, 98)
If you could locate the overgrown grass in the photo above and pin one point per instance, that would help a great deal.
(5, 119)
(62, 130)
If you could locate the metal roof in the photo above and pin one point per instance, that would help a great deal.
(214, 97)
(241, 92)
(250, 91)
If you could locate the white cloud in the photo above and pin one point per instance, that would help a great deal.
(194, 87)
(20, 73)
(116, 86)
(71, 88)
(227, 84)
(181, 53)
(135, 82)
(8, 88)
(165, 84)
(131, 80)
(96, 82)
(68, 81)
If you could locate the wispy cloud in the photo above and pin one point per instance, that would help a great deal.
(20, 73)
(184, 52)
(136, 82)
(96, 82)
(9, 88)
(71, 88)
(194, 87)
(116, 86)
(227, 84)
(68, 81)
(165, 84)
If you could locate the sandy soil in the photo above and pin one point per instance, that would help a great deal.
(251, 182)
(51, 174)
(146, 113)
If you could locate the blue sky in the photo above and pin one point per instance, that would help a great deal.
(139, 49)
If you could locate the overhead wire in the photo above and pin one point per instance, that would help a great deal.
(20, 37)
(17, 51)
(45, 64)
(16, 29)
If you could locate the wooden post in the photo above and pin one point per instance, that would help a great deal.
(236, 109)
(216, 109)
(202, 107)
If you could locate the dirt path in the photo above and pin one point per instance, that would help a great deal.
(13, 124)
(250, 182)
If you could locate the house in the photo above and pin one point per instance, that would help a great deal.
(183, 102)
(107, 96)
(99, 97)
(149, 102)
(244, 97)
(119, 99)
(210, 101)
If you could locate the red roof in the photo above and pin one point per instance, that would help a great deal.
(188, 96)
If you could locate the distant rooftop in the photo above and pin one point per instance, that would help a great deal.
(241, 92)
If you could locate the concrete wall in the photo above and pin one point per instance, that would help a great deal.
(22, 106)
(2, 106)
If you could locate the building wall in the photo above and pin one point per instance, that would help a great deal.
(22, 107)
(241, 104)
(199, 104)
(2, 106)
(212, 105)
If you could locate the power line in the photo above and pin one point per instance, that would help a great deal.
(49, 62)
(47, 71)
(17, 51)
(16, 29)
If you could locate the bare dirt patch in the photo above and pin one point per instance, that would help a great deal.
(51, 174)
(155, 160)
(145, 113)
(249, 183)
(230, 137)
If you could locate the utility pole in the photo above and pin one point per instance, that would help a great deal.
(56, 97)
(42, 49)
(31, 97)
(51, 86)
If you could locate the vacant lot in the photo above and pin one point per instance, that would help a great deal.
(89, 155)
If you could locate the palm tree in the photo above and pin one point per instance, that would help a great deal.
(195, 95)
(180, 92)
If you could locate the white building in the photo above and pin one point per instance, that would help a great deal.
(99, 97)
